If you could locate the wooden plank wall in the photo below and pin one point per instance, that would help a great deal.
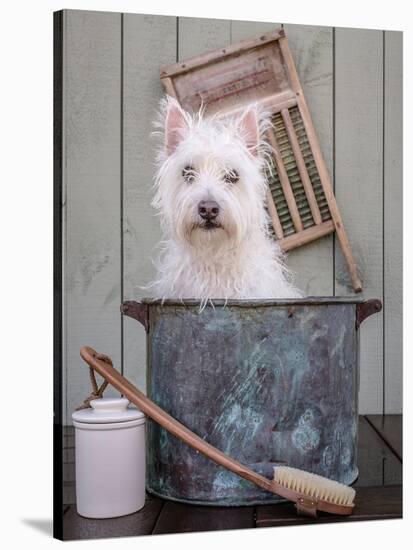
(393, 220)
(91, 198)
(359, 184)
(148, 42)
(352, 81)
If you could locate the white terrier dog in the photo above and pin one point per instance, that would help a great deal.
(211, 195)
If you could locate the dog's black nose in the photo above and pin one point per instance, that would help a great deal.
(208, 210)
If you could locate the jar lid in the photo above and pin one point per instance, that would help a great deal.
(106, 410)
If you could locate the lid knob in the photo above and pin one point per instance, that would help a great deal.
(109, 404)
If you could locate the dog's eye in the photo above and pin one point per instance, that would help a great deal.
(231, 176)
(188, 173)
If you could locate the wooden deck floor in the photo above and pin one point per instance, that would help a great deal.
(379, 496)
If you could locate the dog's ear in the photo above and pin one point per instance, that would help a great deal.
(176, 125)
(248, 127)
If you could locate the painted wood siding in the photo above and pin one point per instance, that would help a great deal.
(353, 84)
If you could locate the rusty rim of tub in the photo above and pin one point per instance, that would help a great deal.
(309, 300)
(364, 308)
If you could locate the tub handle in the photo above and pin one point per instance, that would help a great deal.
(367, 308)
(137, 311)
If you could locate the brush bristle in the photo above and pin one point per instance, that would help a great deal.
(313, 485)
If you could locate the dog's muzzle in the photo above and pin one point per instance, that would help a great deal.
(208, 210)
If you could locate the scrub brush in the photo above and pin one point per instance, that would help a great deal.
(310, 492)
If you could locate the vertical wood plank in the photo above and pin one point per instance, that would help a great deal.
(149, 41)
(359, 187)
(91, 207)
(241, 30)
(393, 220)
(312, 49)
(198, 35)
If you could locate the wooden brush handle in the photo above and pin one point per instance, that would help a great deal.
(157, 414)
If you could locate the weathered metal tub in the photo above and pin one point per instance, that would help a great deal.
(268, 382)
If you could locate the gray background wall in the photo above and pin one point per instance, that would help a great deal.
(353, 84)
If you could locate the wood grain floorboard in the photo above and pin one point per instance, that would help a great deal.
(372, 503)
(185, 518)
(377, 463)
(390, 428)
(379, 496)
(76, 527)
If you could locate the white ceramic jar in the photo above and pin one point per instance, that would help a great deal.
(110, 458)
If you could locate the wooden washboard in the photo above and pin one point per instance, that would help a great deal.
(301, 201)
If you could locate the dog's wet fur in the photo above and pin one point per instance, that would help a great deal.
(210, 192)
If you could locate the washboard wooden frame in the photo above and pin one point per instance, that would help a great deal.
(301, 201)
